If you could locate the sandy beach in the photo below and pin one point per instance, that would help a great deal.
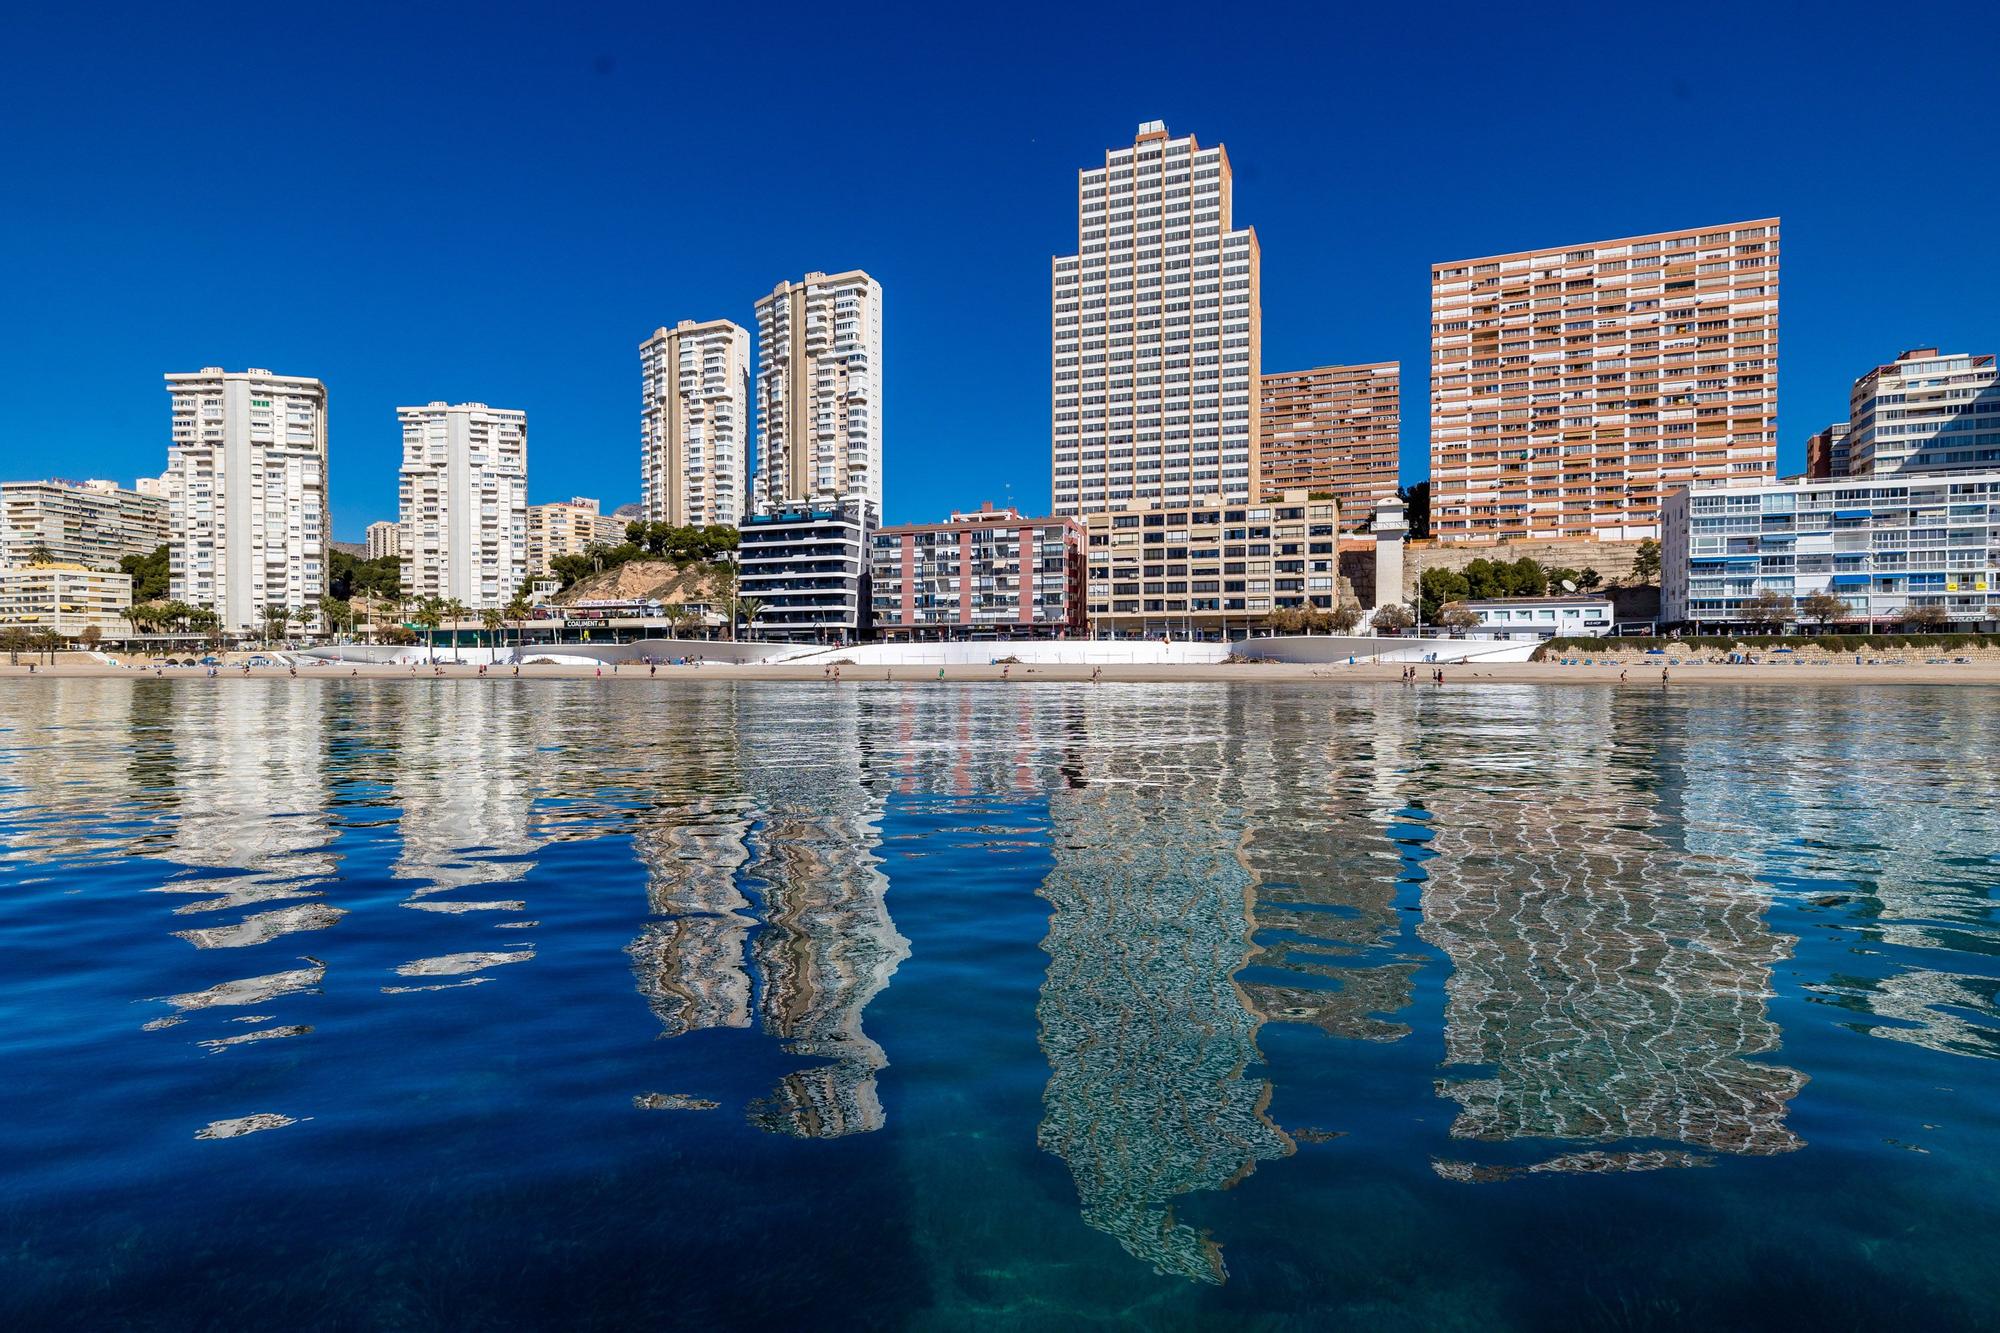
(1812, 669)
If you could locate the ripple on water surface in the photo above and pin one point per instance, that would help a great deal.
(1031, 1004)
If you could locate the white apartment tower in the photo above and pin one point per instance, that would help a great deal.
(819, 393)
(384, 538)
(694, 423)
(246, 482)
(464, 502)
(1926, 411)
(1158, 333)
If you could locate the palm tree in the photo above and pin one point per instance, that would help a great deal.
(276, 618)
(749, 608)
(40, 554)
(455, 611)
(429, 614)
(492, 618)
(517, 612)
(306, 618)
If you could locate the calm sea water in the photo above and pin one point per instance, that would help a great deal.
(475, 1004)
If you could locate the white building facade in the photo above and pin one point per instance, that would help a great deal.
(93, 523)
(246, 481)
(1883, 545)
(384, 539)
(464, 502)
(1924, 411)
(694, 424)
(1157, 334)
(819, 394)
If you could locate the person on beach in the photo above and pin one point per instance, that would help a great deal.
(600, 671)
(1621, 677)
(1663, 675)
(1096, 674)
(940, 673)
(836, 675)
(652, 669)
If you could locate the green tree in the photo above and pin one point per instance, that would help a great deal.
(1646, 563)
(1438, 586)
(40, 554)
(1417, 507)
(429, 615)
(1589, 579)
(491, 618)
(517, 611)
(749, 608)
(276, 618)
(151, 574)
(349, 576)
(1343, 618)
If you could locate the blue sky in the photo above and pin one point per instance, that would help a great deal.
(499, 202)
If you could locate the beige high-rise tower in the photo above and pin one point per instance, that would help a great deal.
(695, 423)
(1157, 333)
(1572, 387)
(819, 393)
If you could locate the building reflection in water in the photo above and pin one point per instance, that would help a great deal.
(1209, 878)
(1614, 987)
(761, 851)
(1911, 877)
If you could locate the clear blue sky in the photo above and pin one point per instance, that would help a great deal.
(499, 202)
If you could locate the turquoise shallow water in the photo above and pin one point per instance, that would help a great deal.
(475, 1004)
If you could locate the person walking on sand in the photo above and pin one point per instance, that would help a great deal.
(1663, 675)
(652, 669)
(1096, 675)
(1621, 677)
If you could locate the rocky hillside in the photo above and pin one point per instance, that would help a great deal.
(661, 580)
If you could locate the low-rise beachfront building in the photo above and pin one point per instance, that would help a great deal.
(1886, 546)
(1209, 569)
(66, 598)
(987, 573)
(806, 569)
(1578, 615)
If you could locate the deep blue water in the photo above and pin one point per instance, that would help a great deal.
(497, 1003)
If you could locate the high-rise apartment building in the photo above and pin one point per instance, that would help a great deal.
(1826, 453)
(568, 527)
(464, 502)
(384, 539)
(94, 524)
(1157, 333)
(1925, 412)
(246, 480)
(694, 423)
(1572, 387)
(819, 394)
(1332, 429)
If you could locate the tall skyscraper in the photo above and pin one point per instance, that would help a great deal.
(1572, 387)
(1925, 412)
(464, 502)
(246, 480)
(1333, 430)
(1157, 333)
(95, 524)
(695, 423)
(819, 393)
